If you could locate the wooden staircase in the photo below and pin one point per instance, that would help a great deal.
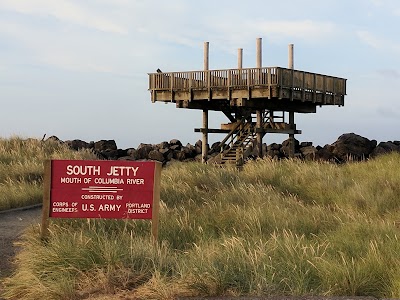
(241, 139)
(237, 145)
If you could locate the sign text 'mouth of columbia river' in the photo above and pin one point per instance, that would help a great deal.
(102, 189)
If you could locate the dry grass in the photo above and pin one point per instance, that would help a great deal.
(275, 228)
(21, 168)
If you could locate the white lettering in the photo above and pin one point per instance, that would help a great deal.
(108, 181)
(135, 181)
(109, 207)
(137, 211)
(83, 170)
(137, 205)
(70, 180)
(122, 171)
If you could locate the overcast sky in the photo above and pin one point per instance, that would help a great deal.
(78, 69)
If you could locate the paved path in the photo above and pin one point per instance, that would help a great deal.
(12, 224)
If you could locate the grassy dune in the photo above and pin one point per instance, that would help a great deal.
(21, 168)
(275, 228)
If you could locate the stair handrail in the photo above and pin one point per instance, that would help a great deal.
(232, 132)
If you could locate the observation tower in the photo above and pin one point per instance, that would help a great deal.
(256, 101)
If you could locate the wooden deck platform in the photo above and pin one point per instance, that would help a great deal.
(271, 88)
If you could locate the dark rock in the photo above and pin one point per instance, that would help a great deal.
(77, 144)
(126, 158)
(190, 151)
(105, 145)
(179, 155)
(353, 146)
(215, 147)
(385, 147)
(109, 154)
(274, 146)
(305, 144)
(308, 152)
(169, 155)
(325, 153)
(156, 155)
(122, 152)
(285, 147)
(175, 147)
(132, 152)
(164, 151)
(162, 145)
(175, 142)
(273, 153)
(54, 138)
(143, 150)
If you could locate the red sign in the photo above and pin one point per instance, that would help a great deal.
(102, 189)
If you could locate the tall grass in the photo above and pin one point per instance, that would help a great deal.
(275, 228)
(21, 168)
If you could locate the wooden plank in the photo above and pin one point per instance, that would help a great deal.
(46, 200)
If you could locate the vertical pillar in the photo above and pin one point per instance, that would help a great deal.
(204, 147)
(258, 53)
(290, 56)
(204, 144)
(240, 58)
(259, 112)
(259, 134)
(291, 113)
(206, 55)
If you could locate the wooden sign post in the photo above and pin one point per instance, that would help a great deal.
(101, 189)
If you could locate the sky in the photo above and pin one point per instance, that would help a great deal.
(78, 69)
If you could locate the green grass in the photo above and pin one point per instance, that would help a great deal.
(21, 168)
(275, 228)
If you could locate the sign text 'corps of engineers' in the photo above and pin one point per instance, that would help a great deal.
(102, 189)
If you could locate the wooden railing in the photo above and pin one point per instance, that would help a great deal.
(250, 77)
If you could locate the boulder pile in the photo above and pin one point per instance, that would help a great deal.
(349, 146)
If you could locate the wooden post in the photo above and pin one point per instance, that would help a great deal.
(259, 112)
(204, 144)
(259, 133)
(204, 148)
(291, 56)
(46, 200)
(291, 113)
(156, 201)
(206, 55)
(258, 53)
(240, 58)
